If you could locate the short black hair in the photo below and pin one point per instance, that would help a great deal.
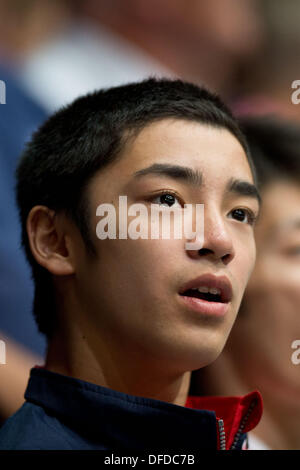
(274, 143)
(85, 137)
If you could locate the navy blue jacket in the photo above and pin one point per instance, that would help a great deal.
(66, 413)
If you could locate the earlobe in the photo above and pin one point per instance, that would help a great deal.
(47, 240)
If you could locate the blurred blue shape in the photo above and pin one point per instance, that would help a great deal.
(19, 117)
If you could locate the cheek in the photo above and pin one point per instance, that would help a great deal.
(139, 267)
(273, 294)
(275, 275)
(156, 265)
(245, 263)
(284, 293)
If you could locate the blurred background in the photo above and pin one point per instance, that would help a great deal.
(52, 51)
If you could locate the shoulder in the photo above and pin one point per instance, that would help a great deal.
(31, 428)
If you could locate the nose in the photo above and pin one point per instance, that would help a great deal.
(217, 243)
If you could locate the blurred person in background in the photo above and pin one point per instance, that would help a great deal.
(267, 75)
(259, 349)
(103, 43)
(23, 26)
(19, 117)
(201, 41)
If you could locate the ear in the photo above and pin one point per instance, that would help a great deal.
(50, 242)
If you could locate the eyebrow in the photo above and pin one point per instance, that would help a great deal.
(194, 177)
(244, 188)
(184, 173)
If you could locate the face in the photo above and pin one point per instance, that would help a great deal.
(130, 291)
(269, 320)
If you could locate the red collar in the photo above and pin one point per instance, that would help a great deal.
(237, 412)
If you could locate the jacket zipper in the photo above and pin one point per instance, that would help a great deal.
(222, 435)
(242, 425)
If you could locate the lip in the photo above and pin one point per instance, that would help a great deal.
(204, 306)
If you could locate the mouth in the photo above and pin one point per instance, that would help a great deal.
(203, 294)
(208, 294)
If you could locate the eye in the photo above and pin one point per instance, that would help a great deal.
(166, 199)
(294, 251)
(245, 216)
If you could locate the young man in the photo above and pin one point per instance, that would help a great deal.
(127, 319)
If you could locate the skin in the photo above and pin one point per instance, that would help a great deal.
(269, 323)
(120, 311)
(14, 375)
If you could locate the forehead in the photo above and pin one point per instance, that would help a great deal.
(213, 151)
(183, 138)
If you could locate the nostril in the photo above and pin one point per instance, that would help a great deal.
(226, 258)
(204, 251)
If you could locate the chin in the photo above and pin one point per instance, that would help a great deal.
(194, 358)
(210, 356)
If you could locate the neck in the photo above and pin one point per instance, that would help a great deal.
(87, 357)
